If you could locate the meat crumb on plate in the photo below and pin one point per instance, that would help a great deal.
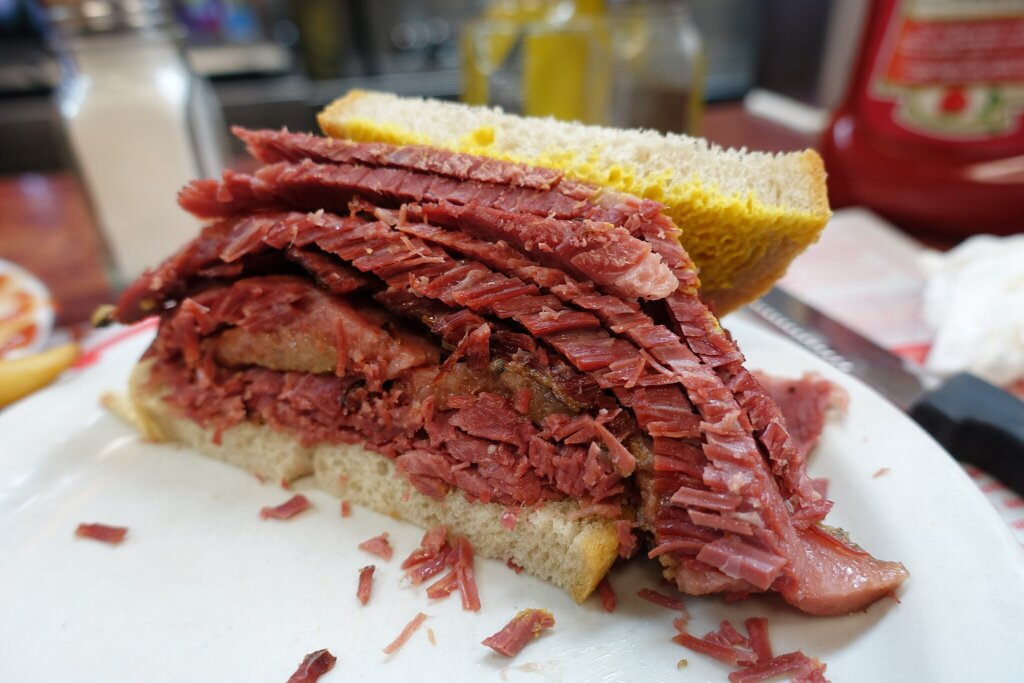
(102, 532)
(287, 509)
(365, 583)
(406, 633)
(607, 595)
(661, 599)
(751, 654)
(313, 666)
(524, 627)
(379, 546)
(430, 558)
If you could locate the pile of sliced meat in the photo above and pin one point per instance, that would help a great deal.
(501, 331)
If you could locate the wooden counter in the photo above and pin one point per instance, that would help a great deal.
(47, 227)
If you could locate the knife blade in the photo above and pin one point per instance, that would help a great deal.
(975, 421)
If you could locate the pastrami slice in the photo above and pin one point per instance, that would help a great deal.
(477, 252)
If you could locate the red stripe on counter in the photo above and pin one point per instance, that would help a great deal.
(915, 353)
(92, 356)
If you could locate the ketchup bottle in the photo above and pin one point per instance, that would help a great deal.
(931, 131)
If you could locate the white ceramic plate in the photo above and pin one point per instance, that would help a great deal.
(202, 589)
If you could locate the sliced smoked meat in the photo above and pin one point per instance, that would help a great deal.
(479, 251)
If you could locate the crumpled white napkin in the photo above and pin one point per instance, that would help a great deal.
(974, 300)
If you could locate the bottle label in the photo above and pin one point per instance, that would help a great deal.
(953, 69)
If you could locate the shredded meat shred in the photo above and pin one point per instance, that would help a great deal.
(288, 509)
(379, 546)
(430, 558)
(464, 576)
(607, 594)
(365, 583)
(435, 555)
(406, 633)
(624, 386)
(751, 653)
(665, 601)
(102, 532)
(313, 666)
(517, 633)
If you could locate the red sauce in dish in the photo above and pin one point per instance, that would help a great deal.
(21, 338)
(23, 330)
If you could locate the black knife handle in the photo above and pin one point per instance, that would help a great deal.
(977, 423)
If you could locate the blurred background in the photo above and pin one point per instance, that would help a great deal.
(107, 107)
(276, 62)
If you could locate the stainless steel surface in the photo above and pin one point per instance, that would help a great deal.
(898, 380)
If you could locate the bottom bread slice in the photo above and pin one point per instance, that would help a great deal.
(546, 541)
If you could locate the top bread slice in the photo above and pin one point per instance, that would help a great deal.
(744, 215)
